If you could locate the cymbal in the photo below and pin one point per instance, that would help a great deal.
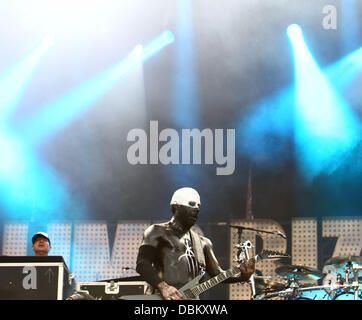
(267, 286)
(341, 260)
(299, 272)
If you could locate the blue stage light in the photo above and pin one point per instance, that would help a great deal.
(185, 108)
(62, 111)
(350, 25)
(138, 52)
(345, 71)
(294, 31)
(29, 188)
(185, 105)
(264, 128)
(14, 81)
(325, 128)
(168, 36)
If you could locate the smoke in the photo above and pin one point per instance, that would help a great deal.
(265, 130)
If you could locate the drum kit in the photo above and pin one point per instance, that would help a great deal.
(340, 279)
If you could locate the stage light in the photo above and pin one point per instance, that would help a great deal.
(345, 71)
(29, 188)
(325, 128)
(349, 25)
(168, 36)
(62, 111)
(10, 164)
(138, 51)
(294, 31)
(48, 41)
(185, 104)
(185, 107)
(165, 39)
(14, 81)
(264, 127)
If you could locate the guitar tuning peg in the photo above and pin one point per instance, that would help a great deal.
(248, 244)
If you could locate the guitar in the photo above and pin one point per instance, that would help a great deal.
(193, 288)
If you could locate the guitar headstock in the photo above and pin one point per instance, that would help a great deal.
(243, 251)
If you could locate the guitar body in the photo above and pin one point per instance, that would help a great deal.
(191, 284)
(193, 289)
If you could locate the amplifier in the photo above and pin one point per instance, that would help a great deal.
(112, 290)
(34, 278)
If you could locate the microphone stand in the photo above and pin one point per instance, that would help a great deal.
(240, 229)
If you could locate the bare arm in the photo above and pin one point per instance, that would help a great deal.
(169, 292)
(145, 264)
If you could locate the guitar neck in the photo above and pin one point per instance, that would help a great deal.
(196, 291)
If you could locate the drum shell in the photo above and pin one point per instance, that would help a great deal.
(319, 294)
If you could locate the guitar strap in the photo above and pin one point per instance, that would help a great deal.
(199, 253)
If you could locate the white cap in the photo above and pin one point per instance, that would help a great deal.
(40, 235)
(184, 196)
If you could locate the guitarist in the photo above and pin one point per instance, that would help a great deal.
(172, 254)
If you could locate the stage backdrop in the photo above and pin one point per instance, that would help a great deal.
(94, 101)
(97, 250)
